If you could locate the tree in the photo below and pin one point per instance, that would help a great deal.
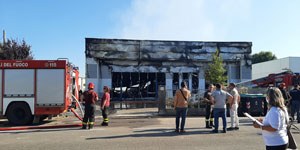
(216, 71)
(263, 56)
(14, 50)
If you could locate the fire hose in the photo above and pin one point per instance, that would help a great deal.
(39, 127)
(80, 108)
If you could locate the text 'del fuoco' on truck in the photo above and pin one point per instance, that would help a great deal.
(36, 89)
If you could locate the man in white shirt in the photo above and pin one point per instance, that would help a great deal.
(234, 107)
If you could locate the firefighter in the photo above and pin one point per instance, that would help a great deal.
(285, 94)
(105, 102)
(89, 98)
(209, 107)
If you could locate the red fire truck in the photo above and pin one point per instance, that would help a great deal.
(35, 89)
(274, 79)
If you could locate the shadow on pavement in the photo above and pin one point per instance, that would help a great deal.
(155, 133)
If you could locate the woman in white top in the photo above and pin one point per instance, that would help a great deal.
(275, 122)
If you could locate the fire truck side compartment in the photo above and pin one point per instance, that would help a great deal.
(50, 87)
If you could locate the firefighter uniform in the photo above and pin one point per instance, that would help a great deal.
(209, 118)
(89, 97)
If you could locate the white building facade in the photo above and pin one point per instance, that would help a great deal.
(263, 69)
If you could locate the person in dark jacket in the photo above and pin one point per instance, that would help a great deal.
(285, 94)
(295, 102)
(89, 99)
(209, 117)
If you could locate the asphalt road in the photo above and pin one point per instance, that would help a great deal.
(135, 130)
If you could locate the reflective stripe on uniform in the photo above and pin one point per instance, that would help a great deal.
(106, 120)
(91, 123)
(84, 123)
(211, 119)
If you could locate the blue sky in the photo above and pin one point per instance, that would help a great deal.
(58, 28)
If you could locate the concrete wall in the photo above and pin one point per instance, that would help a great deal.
(95, 73)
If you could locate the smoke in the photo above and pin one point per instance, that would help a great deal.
(196, 20)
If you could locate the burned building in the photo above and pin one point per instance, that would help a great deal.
(135, 69)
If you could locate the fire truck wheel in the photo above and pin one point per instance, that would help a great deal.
(19, 114)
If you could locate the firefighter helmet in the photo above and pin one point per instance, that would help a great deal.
(91, 85)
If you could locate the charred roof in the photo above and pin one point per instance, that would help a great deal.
(167, 51)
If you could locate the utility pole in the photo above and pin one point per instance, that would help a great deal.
(4, 37)
(1, 51)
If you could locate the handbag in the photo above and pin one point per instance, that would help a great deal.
(291, 143)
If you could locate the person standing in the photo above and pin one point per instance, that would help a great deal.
(295, 102)
(234, 107)
(209, 107)
(180, 105)
(284, 93)
(105, 102)
(89, 99)
(219, 98)
(274, 129)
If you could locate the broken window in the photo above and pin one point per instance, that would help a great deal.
(143, 84)
(126, 83)
(161, 80)
(234, 71)
(175, 82)
(133, 90)
(151, 86)
(195, 82)
(117, 89)
(135, 85)
(185, 77)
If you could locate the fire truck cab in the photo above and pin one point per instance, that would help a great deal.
(36, 88)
